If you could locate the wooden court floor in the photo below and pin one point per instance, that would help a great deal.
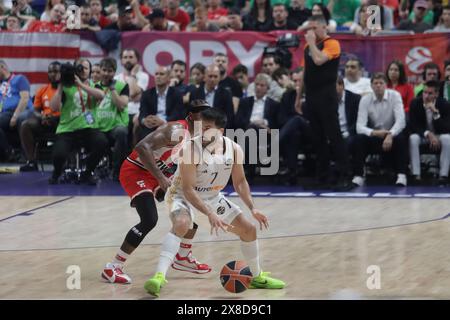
(323, 248)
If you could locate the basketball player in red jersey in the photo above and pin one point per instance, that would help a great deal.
(145, 175)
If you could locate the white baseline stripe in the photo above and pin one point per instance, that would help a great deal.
(28, 39)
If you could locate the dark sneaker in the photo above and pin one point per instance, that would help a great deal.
(29, 166)
(89, 178)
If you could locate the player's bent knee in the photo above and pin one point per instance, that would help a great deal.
(181, 221)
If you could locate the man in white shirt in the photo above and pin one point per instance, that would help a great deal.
(137, 81)
(353, 80)
(380, 125)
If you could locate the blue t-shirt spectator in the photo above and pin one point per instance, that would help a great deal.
(10, 92)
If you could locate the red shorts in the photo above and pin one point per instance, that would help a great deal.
(135, 180)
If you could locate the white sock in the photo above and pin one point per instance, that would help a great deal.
(169, 249)
(185, 247)
(250, 251)
(120, 258)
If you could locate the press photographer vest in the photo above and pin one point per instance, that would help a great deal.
(107, 115)
(72, 114)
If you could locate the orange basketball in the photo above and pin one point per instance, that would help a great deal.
(235, 276)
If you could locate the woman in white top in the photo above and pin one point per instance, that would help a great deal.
(319, 9)
(45, 16)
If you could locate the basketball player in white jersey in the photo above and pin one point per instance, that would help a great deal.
(205, 167)
(144, 175)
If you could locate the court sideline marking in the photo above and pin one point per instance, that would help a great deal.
(30, 212)
(260, 238)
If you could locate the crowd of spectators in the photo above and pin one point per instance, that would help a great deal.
(108, 112)
(353, 16)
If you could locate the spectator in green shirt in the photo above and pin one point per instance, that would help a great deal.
(112, 113)
(76, 99)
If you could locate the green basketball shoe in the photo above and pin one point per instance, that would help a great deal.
(153, 285)
(263, 281)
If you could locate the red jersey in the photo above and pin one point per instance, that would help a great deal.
(165, 157)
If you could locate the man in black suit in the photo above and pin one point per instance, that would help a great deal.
(159, 104)
(348, 104)
(216, 96)
(257, 112)
(348, 110)
(429, 117)
(295, 131)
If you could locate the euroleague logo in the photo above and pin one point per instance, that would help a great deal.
(417, 57)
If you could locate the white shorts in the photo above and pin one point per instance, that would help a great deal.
(223, 207)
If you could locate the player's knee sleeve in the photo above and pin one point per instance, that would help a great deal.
(146, 208)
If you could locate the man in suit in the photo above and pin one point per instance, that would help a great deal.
(159, 104)
(348, 110)
(216, 96)
(257, 112)
(429, 118)
(295, 131)
(348, 104)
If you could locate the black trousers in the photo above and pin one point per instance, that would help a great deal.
(118, 138)
(93, 140)
(322, 106)
(363, 145)
(295, 133)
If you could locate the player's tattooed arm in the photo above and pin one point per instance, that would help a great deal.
(161, 137)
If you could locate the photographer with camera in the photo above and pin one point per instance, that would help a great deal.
(76, 99)
(112, 113)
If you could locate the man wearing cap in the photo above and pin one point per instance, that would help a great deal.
(158, 22)
(417, 24)
(125, 21)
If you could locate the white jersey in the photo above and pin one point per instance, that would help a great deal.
(212, 173)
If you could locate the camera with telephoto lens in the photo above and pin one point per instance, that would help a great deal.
(281, 48)
(68, 72)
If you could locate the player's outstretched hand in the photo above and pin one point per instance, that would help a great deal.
(217, 223)
(261, 218)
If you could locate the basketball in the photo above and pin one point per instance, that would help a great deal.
(235, 276)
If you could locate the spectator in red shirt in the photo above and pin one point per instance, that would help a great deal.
(97, 8)
(216, 13)
(173, 13)
(396, 76)
(54, 25)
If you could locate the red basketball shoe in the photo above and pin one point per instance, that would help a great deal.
(115, 274)
(189, 264)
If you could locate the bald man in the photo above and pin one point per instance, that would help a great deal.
(217, 97)
(160, 104)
